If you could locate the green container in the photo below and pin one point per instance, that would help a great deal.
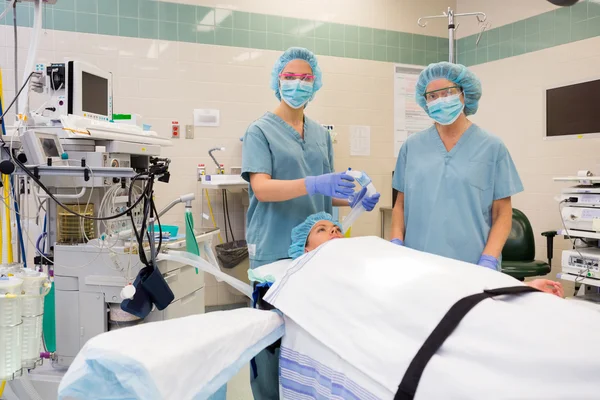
(49, 321)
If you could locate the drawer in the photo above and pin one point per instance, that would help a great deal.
(191, 304)
(184, 281)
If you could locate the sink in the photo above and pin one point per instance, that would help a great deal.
(229, 182)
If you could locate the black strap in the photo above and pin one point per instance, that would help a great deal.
(412, 376)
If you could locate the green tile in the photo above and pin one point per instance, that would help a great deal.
(186, 14)
(593, 10)
(274, 24)
(393, 38)
(336, 48)
(258, 22)
(579, 31)
(186, 32)
(380, 37)
(379, 53)
(322, 30)
(322, 46)
(406, 56)
(47, 21)
(493, 52)
(419, 57)
(258, 40)
(108, 25)
(128, 8)
(365, 51)
(147, 10)
(393, 54)
(350, 33)
(519, 47)
(223, 18)
(351, 49)
(205, 34)
(419, 42)
(106, 7)
(274, 40)
(149, 29)
(64, 20)
(365, 35)
(167, 12)
(241, 20)
(128, 27)
(167, 30)
(562, 33)
(241, 38)
(443, 45)
(290, 26)
(482, 55)
(546, 39)
(431, 43)
(562, 18)
(482, 40)
(205, 16)
(407, 40)
(444, 55)
(471, 57)
(460, 45)
(291, 41)
(65, 5)
(506, 50)
(461, 58)
(493, 37)
(307, 43)
(519, 29)
(579, 12)
(532, 42)
(336, 32)
(431, 57)
(306, 28)
(506, 33)
(547, 21)
(470, 43)
(224, 36)
(87, 6)
(532, 25)
(24, 16)
(593, 27)
(86, 23)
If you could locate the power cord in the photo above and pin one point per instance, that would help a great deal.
(581, 274)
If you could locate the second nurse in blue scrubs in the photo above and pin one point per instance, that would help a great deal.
(455, 180)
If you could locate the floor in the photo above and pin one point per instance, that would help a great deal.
(238, 388)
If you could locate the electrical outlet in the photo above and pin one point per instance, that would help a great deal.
(189, 131)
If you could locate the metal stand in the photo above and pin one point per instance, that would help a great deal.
(481, 17)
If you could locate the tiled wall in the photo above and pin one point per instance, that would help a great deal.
(553, 28)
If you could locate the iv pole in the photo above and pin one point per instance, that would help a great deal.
(481, 17)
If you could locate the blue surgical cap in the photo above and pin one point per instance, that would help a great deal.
(457, 73)
(301, 231)
(296, 53)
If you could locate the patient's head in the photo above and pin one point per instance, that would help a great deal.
(313, 232)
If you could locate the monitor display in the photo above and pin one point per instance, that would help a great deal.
(573, 109)
(94, 94)
(49, 147)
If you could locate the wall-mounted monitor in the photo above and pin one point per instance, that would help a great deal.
(573, 111)
(89, 91)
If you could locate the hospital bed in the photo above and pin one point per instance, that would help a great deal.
(352, 316)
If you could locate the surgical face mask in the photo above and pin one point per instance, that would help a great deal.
(446, 110)
(295, 93)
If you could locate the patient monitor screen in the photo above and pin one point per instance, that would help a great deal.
(49, 147)
(94, 94)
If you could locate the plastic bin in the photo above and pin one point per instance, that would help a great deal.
(231, 254)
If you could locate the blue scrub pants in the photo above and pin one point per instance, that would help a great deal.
(264, 373)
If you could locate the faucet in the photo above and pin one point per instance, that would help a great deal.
(213, 157)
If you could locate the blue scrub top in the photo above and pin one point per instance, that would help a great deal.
(448, 195)
(271, 146)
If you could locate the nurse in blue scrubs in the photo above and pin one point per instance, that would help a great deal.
(288, 160)
(455, 180)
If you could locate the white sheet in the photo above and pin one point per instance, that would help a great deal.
(180, 359)
(373, 304)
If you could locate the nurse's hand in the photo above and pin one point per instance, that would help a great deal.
(399, 242)
(490, 262)
(368, 203)
(547, 286)
(339, 185)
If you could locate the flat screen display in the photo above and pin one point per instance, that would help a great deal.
(49, 147)
(94, 94)
(573, 109)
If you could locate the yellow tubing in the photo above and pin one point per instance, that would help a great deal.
(6, 185)
(211, 213)
(2, 385)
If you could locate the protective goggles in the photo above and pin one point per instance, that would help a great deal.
(302, 77)
(445, 92)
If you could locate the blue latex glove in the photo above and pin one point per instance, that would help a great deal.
(339, 185)
(368, 203)
(488, 262)
(399, 242)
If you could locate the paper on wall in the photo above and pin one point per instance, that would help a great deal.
(360, 140)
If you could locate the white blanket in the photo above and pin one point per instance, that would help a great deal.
(372, 304)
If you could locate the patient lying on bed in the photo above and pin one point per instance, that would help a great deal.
(322, 227)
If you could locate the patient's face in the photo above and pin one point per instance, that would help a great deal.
(322, 232)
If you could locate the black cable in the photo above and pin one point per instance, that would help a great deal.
(228, 216)
(224, 215)
(15, 99)
(159, 227)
